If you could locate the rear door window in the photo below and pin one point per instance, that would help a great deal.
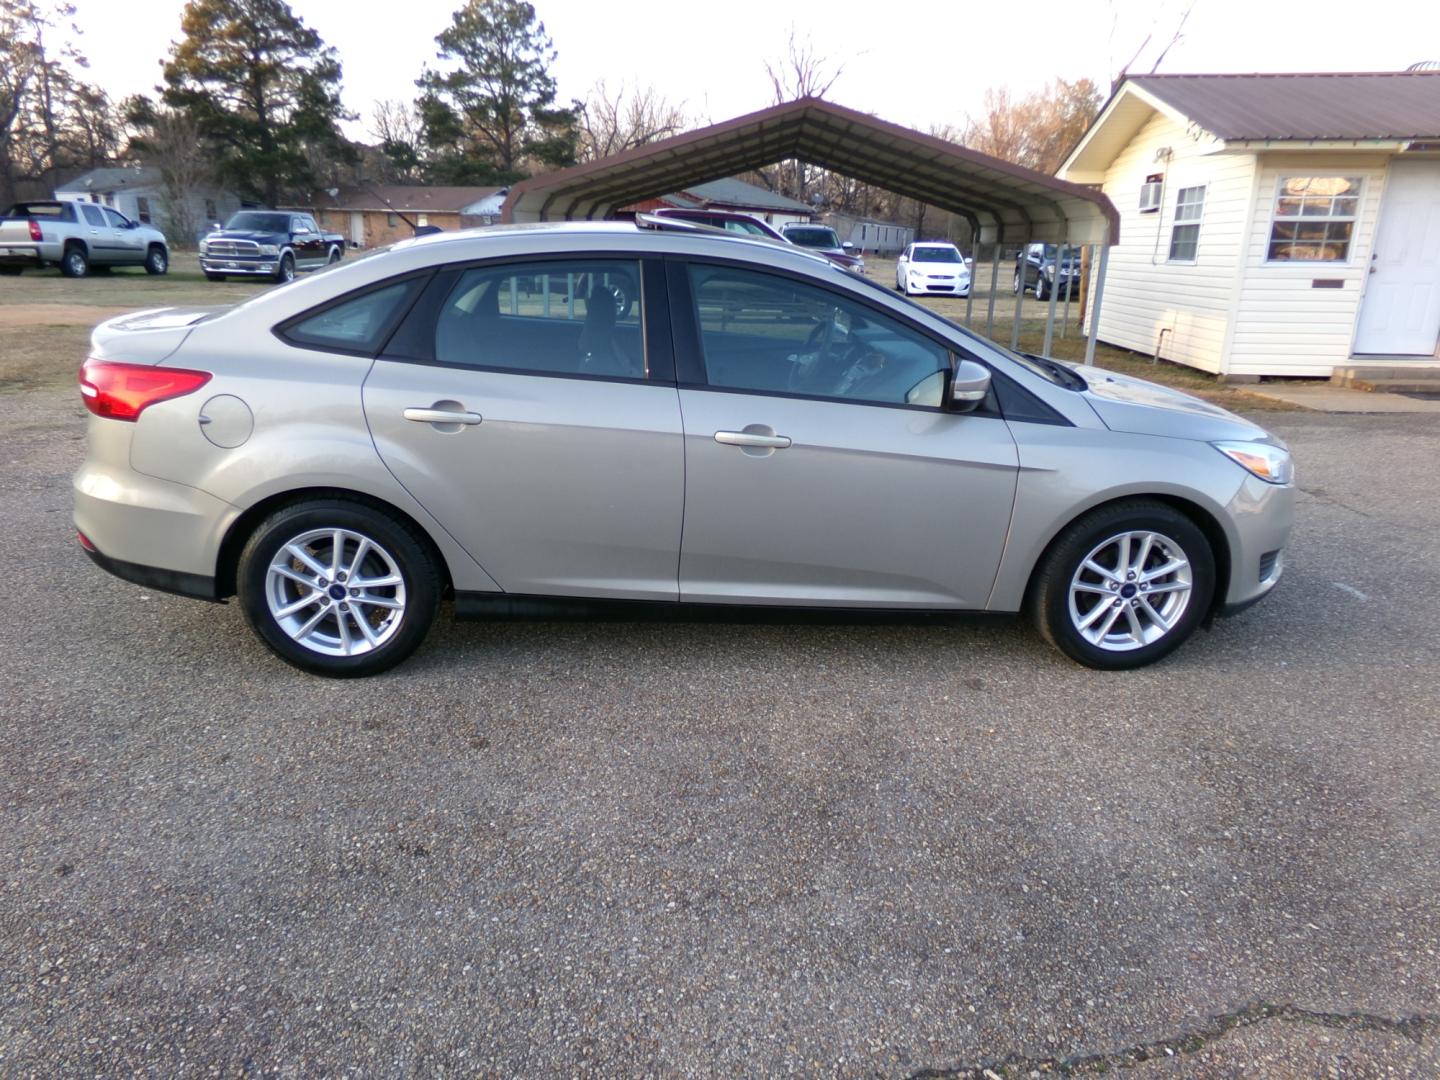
(93, 216)
(581, 318)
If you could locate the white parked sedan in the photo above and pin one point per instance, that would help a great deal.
(932, 268)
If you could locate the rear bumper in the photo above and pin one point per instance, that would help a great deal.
(150, 531)
(31, 255)
(195, 586)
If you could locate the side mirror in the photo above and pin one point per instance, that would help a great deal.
(968, 386)
(848, 246)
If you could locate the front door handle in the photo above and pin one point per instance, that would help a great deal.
(750, 438)
(442, 416)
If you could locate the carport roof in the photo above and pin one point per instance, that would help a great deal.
(1004, 201)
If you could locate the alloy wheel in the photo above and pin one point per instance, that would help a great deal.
(1130, 590)
(335, 592)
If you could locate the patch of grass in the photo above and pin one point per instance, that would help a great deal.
(42, 358)
(125, 287)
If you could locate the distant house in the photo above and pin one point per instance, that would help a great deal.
(735, 195)
(1271, 224)
(139, 194)
(378, 214)
(872, 236)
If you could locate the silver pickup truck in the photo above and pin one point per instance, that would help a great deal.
(76, 236)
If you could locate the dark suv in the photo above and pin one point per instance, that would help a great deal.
(822, 239)
(1036, 268)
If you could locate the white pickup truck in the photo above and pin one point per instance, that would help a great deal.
(76, 236)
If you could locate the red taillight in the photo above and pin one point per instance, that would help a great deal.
(35, 233)
(84, 540)
(124, 391)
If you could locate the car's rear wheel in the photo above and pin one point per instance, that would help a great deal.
(334, 256)
(337, 588)
(74, 263)
(156, 261)
(1124, 585)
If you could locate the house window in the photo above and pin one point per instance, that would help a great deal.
(391, 220)
(142, 209)
(1314, 218)
(1185, 232)
(211, 214)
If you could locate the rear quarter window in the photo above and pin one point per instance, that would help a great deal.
(359, 323)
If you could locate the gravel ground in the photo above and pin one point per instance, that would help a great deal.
(718, 850)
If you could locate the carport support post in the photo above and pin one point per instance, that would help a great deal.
(1093, 324)
(1019, 307)
(1065, 320)
(994, 280)
(1050, 315)
(970, 293)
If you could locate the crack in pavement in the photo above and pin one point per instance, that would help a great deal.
(1414, 1027)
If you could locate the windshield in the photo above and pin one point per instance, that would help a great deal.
(250, 221)
(813, 236)
(1072, 252)
(1052, 371)
(936, 254)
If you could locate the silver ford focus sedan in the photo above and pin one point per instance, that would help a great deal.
(526, 420)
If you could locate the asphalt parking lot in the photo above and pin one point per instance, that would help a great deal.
(738, 849)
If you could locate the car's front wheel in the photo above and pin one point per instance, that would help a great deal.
(286, 270)
(337, 588)
(1124, 585)
(1041, 288)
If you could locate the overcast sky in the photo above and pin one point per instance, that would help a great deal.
(912, 68)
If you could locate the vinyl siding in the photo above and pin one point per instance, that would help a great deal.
(1283, 325)
(1145, 293)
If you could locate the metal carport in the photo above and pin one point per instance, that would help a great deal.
(1004, 203)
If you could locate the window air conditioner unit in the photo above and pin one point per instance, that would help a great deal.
(1150, 194)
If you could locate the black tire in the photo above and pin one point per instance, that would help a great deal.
(157, 261)
(10, 271)
(286, 270)
(1049, 600)
(335, 256)
(407, 550)
(214, 277)
(1019, 283)
(1040, 293)
(74, 263)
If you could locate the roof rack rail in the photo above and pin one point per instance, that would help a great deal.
(668, 224)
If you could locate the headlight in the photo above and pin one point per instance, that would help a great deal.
(204, 246)
(1269, 462)
(269, 249)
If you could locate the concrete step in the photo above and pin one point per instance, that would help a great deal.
(1420, 375)
(1396, 386)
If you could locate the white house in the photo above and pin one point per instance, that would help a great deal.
(139, 194)
(1271, 224)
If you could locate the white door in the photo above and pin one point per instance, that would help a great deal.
(1400, 315)
(357, 228)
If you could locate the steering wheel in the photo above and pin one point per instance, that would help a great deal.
(810, 362)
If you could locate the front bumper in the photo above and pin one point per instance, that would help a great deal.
(258, 267)
(1263, 515)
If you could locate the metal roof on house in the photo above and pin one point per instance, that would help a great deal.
(112, 179)
(1335, 105)
(1001, 200)
(733, 192)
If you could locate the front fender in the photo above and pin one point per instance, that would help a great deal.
(1067, 471)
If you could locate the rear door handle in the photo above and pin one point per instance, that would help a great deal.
(748, 438)
(443, 416)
